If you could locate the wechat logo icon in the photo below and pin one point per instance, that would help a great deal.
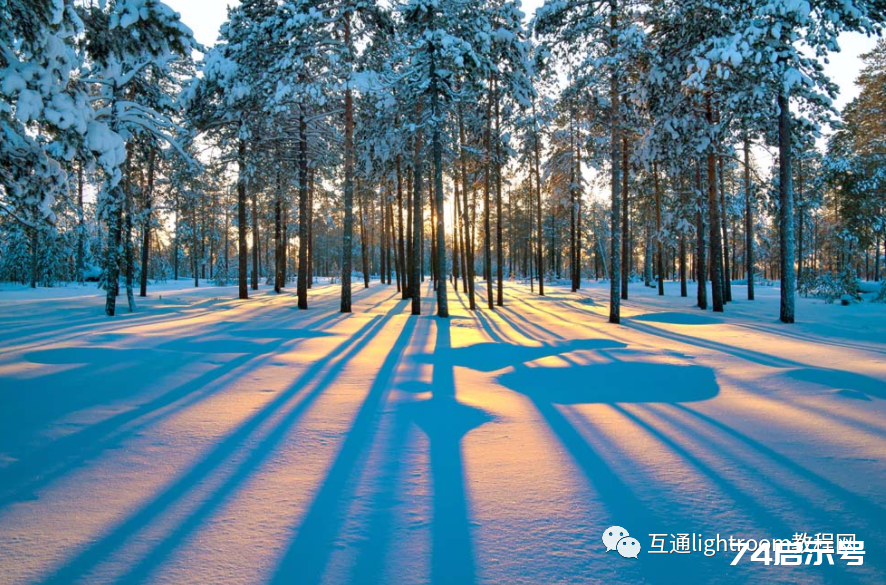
(617, 538)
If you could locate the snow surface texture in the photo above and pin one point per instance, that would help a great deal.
(208, 440)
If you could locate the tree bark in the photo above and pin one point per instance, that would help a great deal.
(241, 217)
(466, 219)
(81, 226)
(301, 285)
(659, 256)
(146, 235)
(538, 224)
(499, 250)
(727, 275)
(700, 262)
(786, 211)
(278, 235)
(256, 239)
(487, 228)
(615, 176)
(442, 301)
(417, 179)
(748, 218)
(348, 233)
(626, 255)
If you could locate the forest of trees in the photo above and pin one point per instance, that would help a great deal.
(453, 141)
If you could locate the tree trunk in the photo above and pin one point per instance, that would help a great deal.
(572, 204)
(700, 262)
(727, 276)
(310, 240)
(786, 211)
(35, 243)
(241, 217)
(301, 287)
(348, 233)
(442, 301)
(466, 219)
(615, 177)
(364, 240)
(456, 256)
(499, 252)
(128, 252)
(401, 242)
(81, 226)
(748, 218)
(487, 228)
(417, 223)
(626, 255)
(659, 256)
(716, 262)
(278, 236)
(538, 225)
(256, 239)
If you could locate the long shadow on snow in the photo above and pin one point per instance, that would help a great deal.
(100, 549)
(446, 421)
(547, 387)
(39, 467)
(307, 555)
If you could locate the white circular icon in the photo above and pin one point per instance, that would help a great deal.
(628, 547)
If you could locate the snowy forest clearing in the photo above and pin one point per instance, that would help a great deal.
(209, 440)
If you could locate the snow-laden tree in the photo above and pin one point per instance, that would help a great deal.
(598, 39)
(44, 113)
(780, 44)
(125, 39)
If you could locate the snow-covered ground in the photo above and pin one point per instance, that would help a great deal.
(209, 440)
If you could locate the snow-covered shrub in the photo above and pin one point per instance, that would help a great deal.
(831, 286)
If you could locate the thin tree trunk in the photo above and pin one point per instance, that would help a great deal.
(278, 235)
(615, 177)
(456, 256)
(499, 252)
(786, 211)
(748, 218)
(442, 301)
(417, 178)
(487, 228)
(626, 255)
(241, 217)
(302, 277)
(256, 242)
(724, 218)
(310, 240)
(364, 243)
(348, 233)
(466, 220)
(81, 226)
(700, 263)
(538, 225)
(659, 256)
(401, 243)
(572, 204)
(128, 252)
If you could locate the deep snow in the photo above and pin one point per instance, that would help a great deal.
(209, 440)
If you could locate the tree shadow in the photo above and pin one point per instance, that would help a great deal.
(104, 376)
(614, 382)
(307, 556)
(848, 384)
(319, 375)
(677, 318)
(745, 354)
(446, 421)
